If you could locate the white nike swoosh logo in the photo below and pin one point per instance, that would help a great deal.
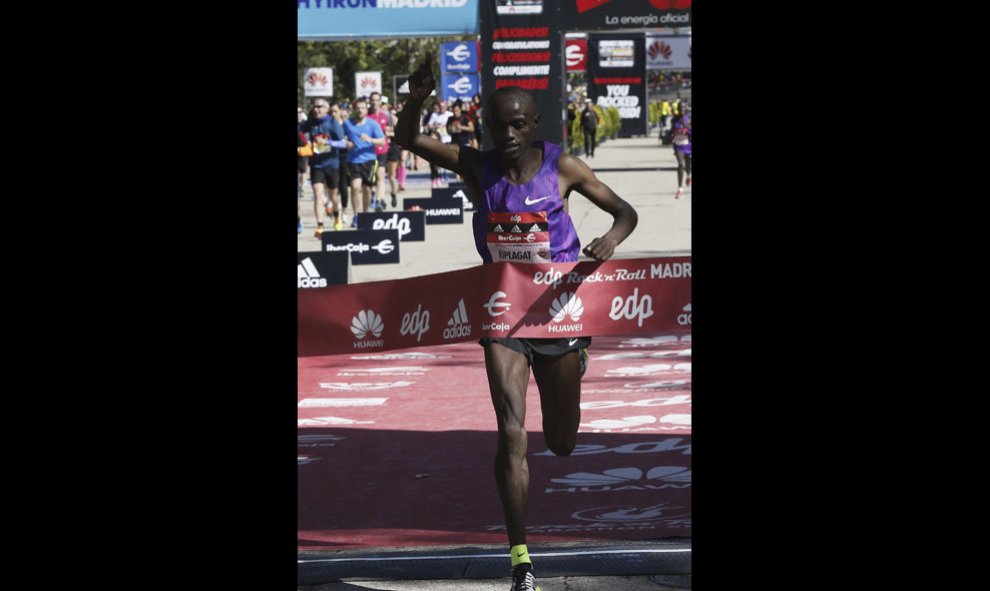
(571, 342)
(530, 202)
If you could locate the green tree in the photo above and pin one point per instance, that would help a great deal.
(393, 57)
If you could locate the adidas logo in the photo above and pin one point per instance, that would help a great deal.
(458, 325)
(534, 228)
(308, 276)
(685, 319)
(515, 229)
(468, 204)
(498, 228)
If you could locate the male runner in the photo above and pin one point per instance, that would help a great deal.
(532, 178)
(363, 135)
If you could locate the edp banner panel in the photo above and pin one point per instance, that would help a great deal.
(410, 224)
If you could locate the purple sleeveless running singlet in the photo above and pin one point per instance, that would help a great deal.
(541, 193)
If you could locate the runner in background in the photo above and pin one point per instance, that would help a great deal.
(589, 125)
(379, 114)
(363, 136)
(403, 154)
(326, 136)
(302, 147)
(681, 139)
(394, 154)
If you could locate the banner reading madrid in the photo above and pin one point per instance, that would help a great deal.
(323, 20)
(552, 300)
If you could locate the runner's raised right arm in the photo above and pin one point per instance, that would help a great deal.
(463, 161)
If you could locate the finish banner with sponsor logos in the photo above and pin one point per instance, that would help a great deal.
(549, 300)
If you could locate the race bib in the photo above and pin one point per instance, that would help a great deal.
(320, 143)
(519, 237)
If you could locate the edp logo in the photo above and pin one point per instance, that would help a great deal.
(632, 307)
(416, 323)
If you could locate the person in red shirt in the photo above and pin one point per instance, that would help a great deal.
(384, 119)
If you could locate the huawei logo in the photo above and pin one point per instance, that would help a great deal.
(317, 79)
(368, 82)
(568, 304)
(659, 48)
(367, 321)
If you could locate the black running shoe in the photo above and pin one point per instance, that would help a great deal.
(523, 579)
(395, 202)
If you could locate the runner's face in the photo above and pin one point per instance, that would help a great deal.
(512, 125)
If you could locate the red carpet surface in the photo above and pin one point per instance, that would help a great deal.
(396, 449)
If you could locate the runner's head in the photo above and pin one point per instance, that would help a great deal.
(512, 119)
(360, 109)
(320, 108)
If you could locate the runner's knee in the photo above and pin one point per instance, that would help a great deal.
(561, 445)
(512, 439)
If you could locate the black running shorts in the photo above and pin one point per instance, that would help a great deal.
(546, 347)
(365, 171)
(328, 176)
(394, 153)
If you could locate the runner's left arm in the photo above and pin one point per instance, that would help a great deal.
(575, 175)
